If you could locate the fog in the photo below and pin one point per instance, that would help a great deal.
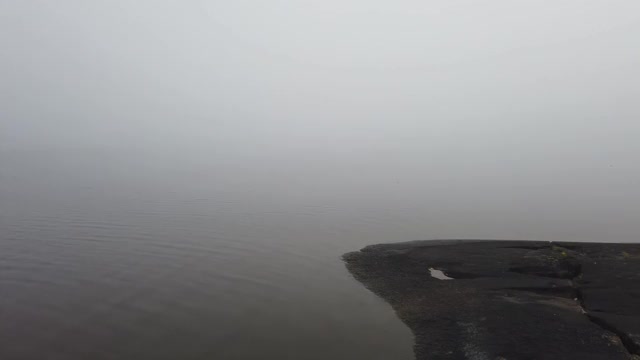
(183, 173)
(552, 79)
(531, 101)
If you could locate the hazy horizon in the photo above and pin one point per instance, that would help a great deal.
(535, 101)
(184, 173)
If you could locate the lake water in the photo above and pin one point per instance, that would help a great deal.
(198, 253)
(142, 256)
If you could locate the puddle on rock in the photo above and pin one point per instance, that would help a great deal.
(438, 274)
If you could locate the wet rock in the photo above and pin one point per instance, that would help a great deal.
(510, 299)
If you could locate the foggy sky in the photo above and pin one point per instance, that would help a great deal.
(537, 75)
(475, 114)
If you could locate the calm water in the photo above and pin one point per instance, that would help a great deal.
(201, 254)
(133, 256)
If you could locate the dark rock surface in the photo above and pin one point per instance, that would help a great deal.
(510, 299)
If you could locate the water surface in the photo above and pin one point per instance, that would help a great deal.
(195, 253)
(129, 256)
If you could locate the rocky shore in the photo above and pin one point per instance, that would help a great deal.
(490, 300)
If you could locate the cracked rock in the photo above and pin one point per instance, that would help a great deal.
(510, 299)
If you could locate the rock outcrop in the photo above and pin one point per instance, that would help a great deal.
(510, 299)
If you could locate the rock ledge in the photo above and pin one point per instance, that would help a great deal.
(510, 299)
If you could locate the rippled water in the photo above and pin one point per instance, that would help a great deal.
(108, 257)
(200, 255)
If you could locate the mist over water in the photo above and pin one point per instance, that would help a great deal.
(180, 179)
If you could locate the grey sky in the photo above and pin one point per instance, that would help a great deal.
(554, 74)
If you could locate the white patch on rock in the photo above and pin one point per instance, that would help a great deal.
(438, 274)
